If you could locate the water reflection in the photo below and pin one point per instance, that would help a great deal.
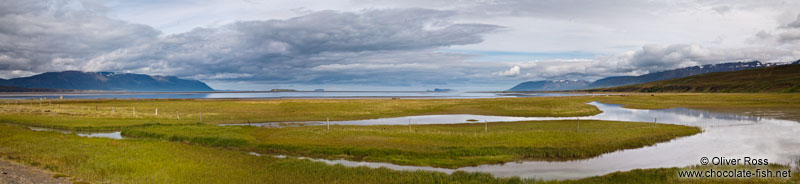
(728, 135)
(110, 135)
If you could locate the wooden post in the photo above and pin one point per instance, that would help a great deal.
(112, 109)
(177, 115)
(156, 111)
(248, 122)
(409, 125)
(485, 126)
(134, 111)
(95, 108)
(579, 124)
(654, 122)
(328, 122)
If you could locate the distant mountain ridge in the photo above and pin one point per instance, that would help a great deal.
(780, 79)
(106, 81)
(676, 73)
(550, 85)
(630, 80)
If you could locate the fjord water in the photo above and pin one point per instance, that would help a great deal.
(724, 135)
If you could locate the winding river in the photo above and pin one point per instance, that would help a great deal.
(724, 135)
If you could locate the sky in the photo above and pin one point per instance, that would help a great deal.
(390, 45)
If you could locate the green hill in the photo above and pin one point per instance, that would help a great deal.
(780, 79)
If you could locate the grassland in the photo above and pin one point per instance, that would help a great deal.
(115, 114)
(217, 154)
(670, 175)
(783, 79)
(99, 160)
(450, 146)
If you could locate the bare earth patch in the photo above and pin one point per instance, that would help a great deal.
(12, 173)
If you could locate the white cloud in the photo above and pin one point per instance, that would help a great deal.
(650, 58)
(511, 72)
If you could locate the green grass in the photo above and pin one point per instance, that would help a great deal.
(99, 160)
(451, 146)
(781, 79)
(98, 114)
(221, 158)
(670, 175)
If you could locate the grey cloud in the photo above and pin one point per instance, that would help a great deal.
(793, 24)
(650, 58)
(322, 47)
(39, 36)
(788, 34)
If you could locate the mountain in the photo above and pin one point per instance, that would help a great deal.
(106, 81)
(676, 73)
(783, 78)
(551, 85)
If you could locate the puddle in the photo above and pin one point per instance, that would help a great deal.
(110, 135)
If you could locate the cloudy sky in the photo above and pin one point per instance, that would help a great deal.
(390, 45)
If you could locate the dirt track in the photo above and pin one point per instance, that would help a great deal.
(13, 173)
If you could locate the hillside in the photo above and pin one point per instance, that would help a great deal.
(784, 78)
(106, 81)
(676, 73)
(550, 85)
(614, 81)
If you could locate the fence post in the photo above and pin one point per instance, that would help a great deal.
(156, 111)
(579, 124)
(485, 126)
(328, 122)
(409, 125)
(178, 115)
(654, 122)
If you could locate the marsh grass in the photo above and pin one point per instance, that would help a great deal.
(449, 145)
(670, 175)
(115, 113)
(99, 160)
(98, 114)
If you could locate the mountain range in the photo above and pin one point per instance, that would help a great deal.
(105, 81)
(557, 85)
(550, 85)
(780, 79)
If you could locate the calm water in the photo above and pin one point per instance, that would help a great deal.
(329, 94)
(110, 135)
(724, 135)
